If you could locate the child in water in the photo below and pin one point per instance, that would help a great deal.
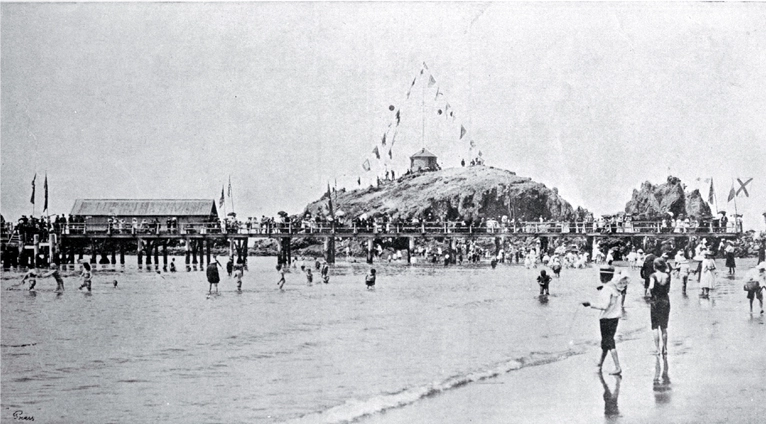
(86, 276)
(32, 277)
(543, 280)
(309, 275)
(238, 273)
(281, 272)
(173, 265)
(325, 272)
(369, 280)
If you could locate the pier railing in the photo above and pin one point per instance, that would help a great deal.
(310, 228)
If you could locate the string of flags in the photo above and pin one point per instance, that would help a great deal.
(444, 109)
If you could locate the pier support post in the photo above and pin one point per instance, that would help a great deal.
(370, 245)
(114, 256)
(497, 246)
(329, 249)
(165, 256)
(156, 245)
(93, 252)
(52, 249)
(410, 248)
(140, 253)
(187, 250)
(232, 248)
(452, 251)
(589, 244)
(122, 254)
(207, 254)
(36, 249)
(201, 251)
(149, 252)
(289, 251)
(280, 254)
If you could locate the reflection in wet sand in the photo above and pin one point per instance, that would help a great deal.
(662, 390)
(611, 409)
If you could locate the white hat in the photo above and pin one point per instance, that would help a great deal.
(761, 266)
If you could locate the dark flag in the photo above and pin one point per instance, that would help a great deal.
(389, 154)
(329, 201)
(229, 185)
(45, 205)
(359, 180)
(732, 194)
(32, 199)
(462, 131)
(711, 194)
(376, 151)
(398, 118)
(742, 186)
(384, 139)
(223, 199)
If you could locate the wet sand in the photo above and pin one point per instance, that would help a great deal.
(716, 366)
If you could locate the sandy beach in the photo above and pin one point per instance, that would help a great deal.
(715, 369)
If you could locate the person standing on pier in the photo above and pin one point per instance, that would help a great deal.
(212, 275)
(86, 276)
(609, 302)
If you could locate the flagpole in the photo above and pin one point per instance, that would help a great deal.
(423, 115)
(231, 194)
(735, 205)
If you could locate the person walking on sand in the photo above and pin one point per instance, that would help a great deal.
(369, 280)
(544, 280)
(609, 302)
(281, 272)
(753, 285)
(659, 287)
(86, 276)
(212, 275)
(730, 263)
(683, 270)
(707, 280)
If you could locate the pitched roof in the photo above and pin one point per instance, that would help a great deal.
(423, 153)
(144, 207)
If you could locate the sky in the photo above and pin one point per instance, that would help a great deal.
(170, 100)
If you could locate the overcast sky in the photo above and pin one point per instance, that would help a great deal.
(168, 100)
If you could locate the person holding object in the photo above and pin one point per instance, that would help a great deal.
(609, 302)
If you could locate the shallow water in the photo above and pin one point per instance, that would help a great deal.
(159, 349)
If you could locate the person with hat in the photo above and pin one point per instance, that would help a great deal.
(659, 287)
(212, 275)
(730, 263)
(647, 268)
(682, 269)
(609, 302)
(753, 285)
(707, 280)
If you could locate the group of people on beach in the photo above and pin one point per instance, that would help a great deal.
(33, 274)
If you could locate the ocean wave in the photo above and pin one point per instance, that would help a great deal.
(355, 409)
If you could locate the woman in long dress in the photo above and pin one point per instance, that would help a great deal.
(707, 281)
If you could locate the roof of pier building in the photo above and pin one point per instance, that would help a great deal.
(145, 207)
(423, 153)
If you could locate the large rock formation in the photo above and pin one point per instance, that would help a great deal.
(654, 202)
(469, 193)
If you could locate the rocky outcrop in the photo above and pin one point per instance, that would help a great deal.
(469, 193)
(656, 201)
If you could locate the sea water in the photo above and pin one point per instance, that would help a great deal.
(158, 348)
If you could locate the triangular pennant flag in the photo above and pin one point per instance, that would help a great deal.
(479, 152)
(223, 198)
(359, 180)
(438, 93)
(462, 131)
(45, 205)
(424, 65)
(32, 199)
(431, 81)
(384, 139)
(398, 116)
(376, 151)
(732, 193)
(711, 194)
(390, 156)
(473, 144)
(366, 165)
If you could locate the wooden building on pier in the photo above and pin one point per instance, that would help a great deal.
(97, 212)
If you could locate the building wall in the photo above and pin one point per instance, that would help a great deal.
(418, 164)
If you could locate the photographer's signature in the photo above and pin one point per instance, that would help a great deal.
(19, 416)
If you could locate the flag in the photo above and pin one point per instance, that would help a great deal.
(377, 152)
(223, 199)
(412, 85)
(431, 81)
(473, 144)
(366, 165)
(462, 131)
(32, 199)
(45, 205)
(389, 154)
(359, 180)
(398, 117)
(393, 139)
(229, 185)
(329, 201)
(479, 152)
(384, 139)
(424, 65)
(711, 194)
(732, 194)
(438, 93)
(742, 187)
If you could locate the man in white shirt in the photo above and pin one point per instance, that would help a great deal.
(610, 303)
